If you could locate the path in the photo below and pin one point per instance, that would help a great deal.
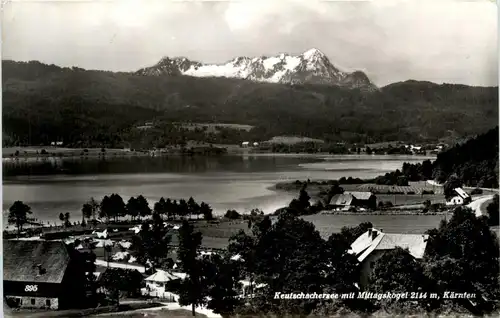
(166, 306)
(478, 203)
(102, 263)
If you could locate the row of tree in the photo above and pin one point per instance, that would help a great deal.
(113, 207)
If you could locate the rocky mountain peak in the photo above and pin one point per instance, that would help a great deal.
(312, 66)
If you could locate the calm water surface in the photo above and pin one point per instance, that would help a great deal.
(227, 182)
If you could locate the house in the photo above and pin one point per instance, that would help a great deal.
(372, 244)
(342, 201)
(460, 198)
(43, 274)
(358, 199)
(156, 284)
(245, 144)
(255, 144)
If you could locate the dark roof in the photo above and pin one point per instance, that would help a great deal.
(22, 258)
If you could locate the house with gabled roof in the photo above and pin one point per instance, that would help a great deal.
(460, 198)
(43, 274)
(371, 245)
(349, 199)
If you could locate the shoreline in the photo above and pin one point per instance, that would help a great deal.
(33, 152)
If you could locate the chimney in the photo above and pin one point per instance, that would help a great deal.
(369, 232)
(374, 234)
(41, 270)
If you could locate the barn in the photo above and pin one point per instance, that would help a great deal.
(43, 274)
(354, 199)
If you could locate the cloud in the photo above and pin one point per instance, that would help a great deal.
(391, 40)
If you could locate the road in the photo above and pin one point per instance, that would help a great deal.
(479, 205)
(119, 265)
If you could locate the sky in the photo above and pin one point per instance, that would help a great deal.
(451, 41)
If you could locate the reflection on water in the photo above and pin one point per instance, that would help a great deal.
(225, 182)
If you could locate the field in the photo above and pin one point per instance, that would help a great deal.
(27, 152)
(212, 127)
(328, 224)
(415, 187)
(410, 199)
(292, 140)
(385, 144)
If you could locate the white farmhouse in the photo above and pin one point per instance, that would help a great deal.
(371, 245)
(460, 198)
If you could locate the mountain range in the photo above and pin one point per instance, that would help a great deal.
(311, 67)
(42, 103)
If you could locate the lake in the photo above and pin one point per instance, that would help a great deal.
(52, 186)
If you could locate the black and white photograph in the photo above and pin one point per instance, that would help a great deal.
(250, 158)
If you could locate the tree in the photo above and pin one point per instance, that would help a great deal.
(206, 210)
(112, 207)
(94, 205)
(169, 208)
(427, 205)
(160, 207)
(397, 271)
(86, 212)
(222, 277)
(463, 254)
(126, 280)
(143, 206)
(304, 198)
(192, 290)
(193, 207)
(291, 257)
(493, 211)
(450, 185)
(151, 244)
(334, 189)
(182, 208)
(61, 218)
(132, 208)
(350, 234)
(300, 205)
(105, 208)
(18, 215)
(173, 209)
(67, 222)
(118, 279)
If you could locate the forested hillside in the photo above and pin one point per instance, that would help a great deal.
(45, 102)
(473, 163)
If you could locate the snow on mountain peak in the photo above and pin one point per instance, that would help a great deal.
(312, 66)
(312, 53)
